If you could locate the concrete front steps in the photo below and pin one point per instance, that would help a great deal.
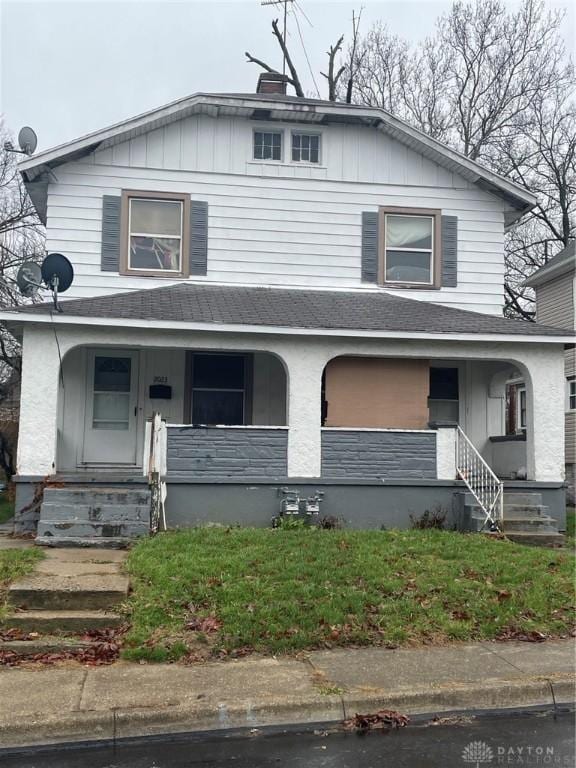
(526, 519)
(71, 592)
(93, 516)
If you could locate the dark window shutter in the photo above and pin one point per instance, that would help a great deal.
(110, 253)
(450, 251)
(370, 246)
(198, 237)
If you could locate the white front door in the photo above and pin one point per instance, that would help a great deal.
(111, 408)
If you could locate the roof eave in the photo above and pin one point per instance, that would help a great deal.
(17, 320)
(521, 200)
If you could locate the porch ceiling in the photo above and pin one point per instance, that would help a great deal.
(348, 311)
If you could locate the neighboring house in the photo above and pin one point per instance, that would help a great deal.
(555, 288)
(310, 293)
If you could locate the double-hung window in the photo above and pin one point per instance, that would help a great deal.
(267, 145)
(155, 233)
(410, 248)
(571, 395)
(305, 148)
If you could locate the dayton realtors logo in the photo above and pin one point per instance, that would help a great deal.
(477, 753)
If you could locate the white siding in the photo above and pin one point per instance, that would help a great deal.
(277, 223)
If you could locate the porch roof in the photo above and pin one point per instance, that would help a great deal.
(262, 307)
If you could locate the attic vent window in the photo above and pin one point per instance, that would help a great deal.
(305, 148)
(267, 145)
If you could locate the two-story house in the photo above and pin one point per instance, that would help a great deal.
(309, 293)
(555, 288)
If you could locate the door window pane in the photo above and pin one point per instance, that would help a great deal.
(111, 410)
(112, 374)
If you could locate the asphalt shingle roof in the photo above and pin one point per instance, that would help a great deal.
(279, 307)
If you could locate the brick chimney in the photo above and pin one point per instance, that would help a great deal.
(272, 82)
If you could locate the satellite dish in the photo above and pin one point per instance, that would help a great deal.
(27, 140)
(29, 278)
(57, 272)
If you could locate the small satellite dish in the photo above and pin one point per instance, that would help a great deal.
(29, 279)
(27, 140)
(57, 272)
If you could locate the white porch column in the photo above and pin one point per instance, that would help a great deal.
(38, 428)
(545, 407)
(446, 453)
(305, 367)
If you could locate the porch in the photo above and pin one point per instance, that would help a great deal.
(368, 423)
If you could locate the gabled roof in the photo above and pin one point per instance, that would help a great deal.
(561, 264)
(208, 306)
(275, 107)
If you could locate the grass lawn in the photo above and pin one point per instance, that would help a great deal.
(6, 507)
(15, 563)
(207, 591)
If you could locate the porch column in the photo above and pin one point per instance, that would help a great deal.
(545, 408)
(305, 369)
(38, 427)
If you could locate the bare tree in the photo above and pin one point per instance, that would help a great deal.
(294, 80)
(21, 239)
(498, 86)
(334, 75)
(335, 67)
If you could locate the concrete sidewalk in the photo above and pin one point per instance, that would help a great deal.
(68, 703)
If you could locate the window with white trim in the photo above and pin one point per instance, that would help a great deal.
(521, 408)
(305, 147)
(409, 248)
(571, 394)
(267, 145)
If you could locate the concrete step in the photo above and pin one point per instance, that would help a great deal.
(34, 646)
(94, 513)
(523, 510)
(523, 497)
(75, 542)
(525, 525)
(58, 593)
(54, 622)
(97, 495)
(85, 530)
(550, 540)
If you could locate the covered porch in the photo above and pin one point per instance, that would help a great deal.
(367, 423)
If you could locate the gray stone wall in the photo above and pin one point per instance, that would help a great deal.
(364, 455)
(212, 453)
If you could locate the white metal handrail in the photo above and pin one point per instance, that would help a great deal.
(154, 466)
(483, 484)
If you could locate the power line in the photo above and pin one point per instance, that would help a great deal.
(306, 54)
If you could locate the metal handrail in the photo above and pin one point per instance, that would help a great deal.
(482, 482)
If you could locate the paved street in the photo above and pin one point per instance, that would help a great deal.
(535, 739)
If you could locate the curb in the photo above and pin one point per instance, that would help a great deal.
(111, 725)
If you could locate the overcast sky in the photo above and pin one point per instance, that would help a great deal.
(68, 68)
